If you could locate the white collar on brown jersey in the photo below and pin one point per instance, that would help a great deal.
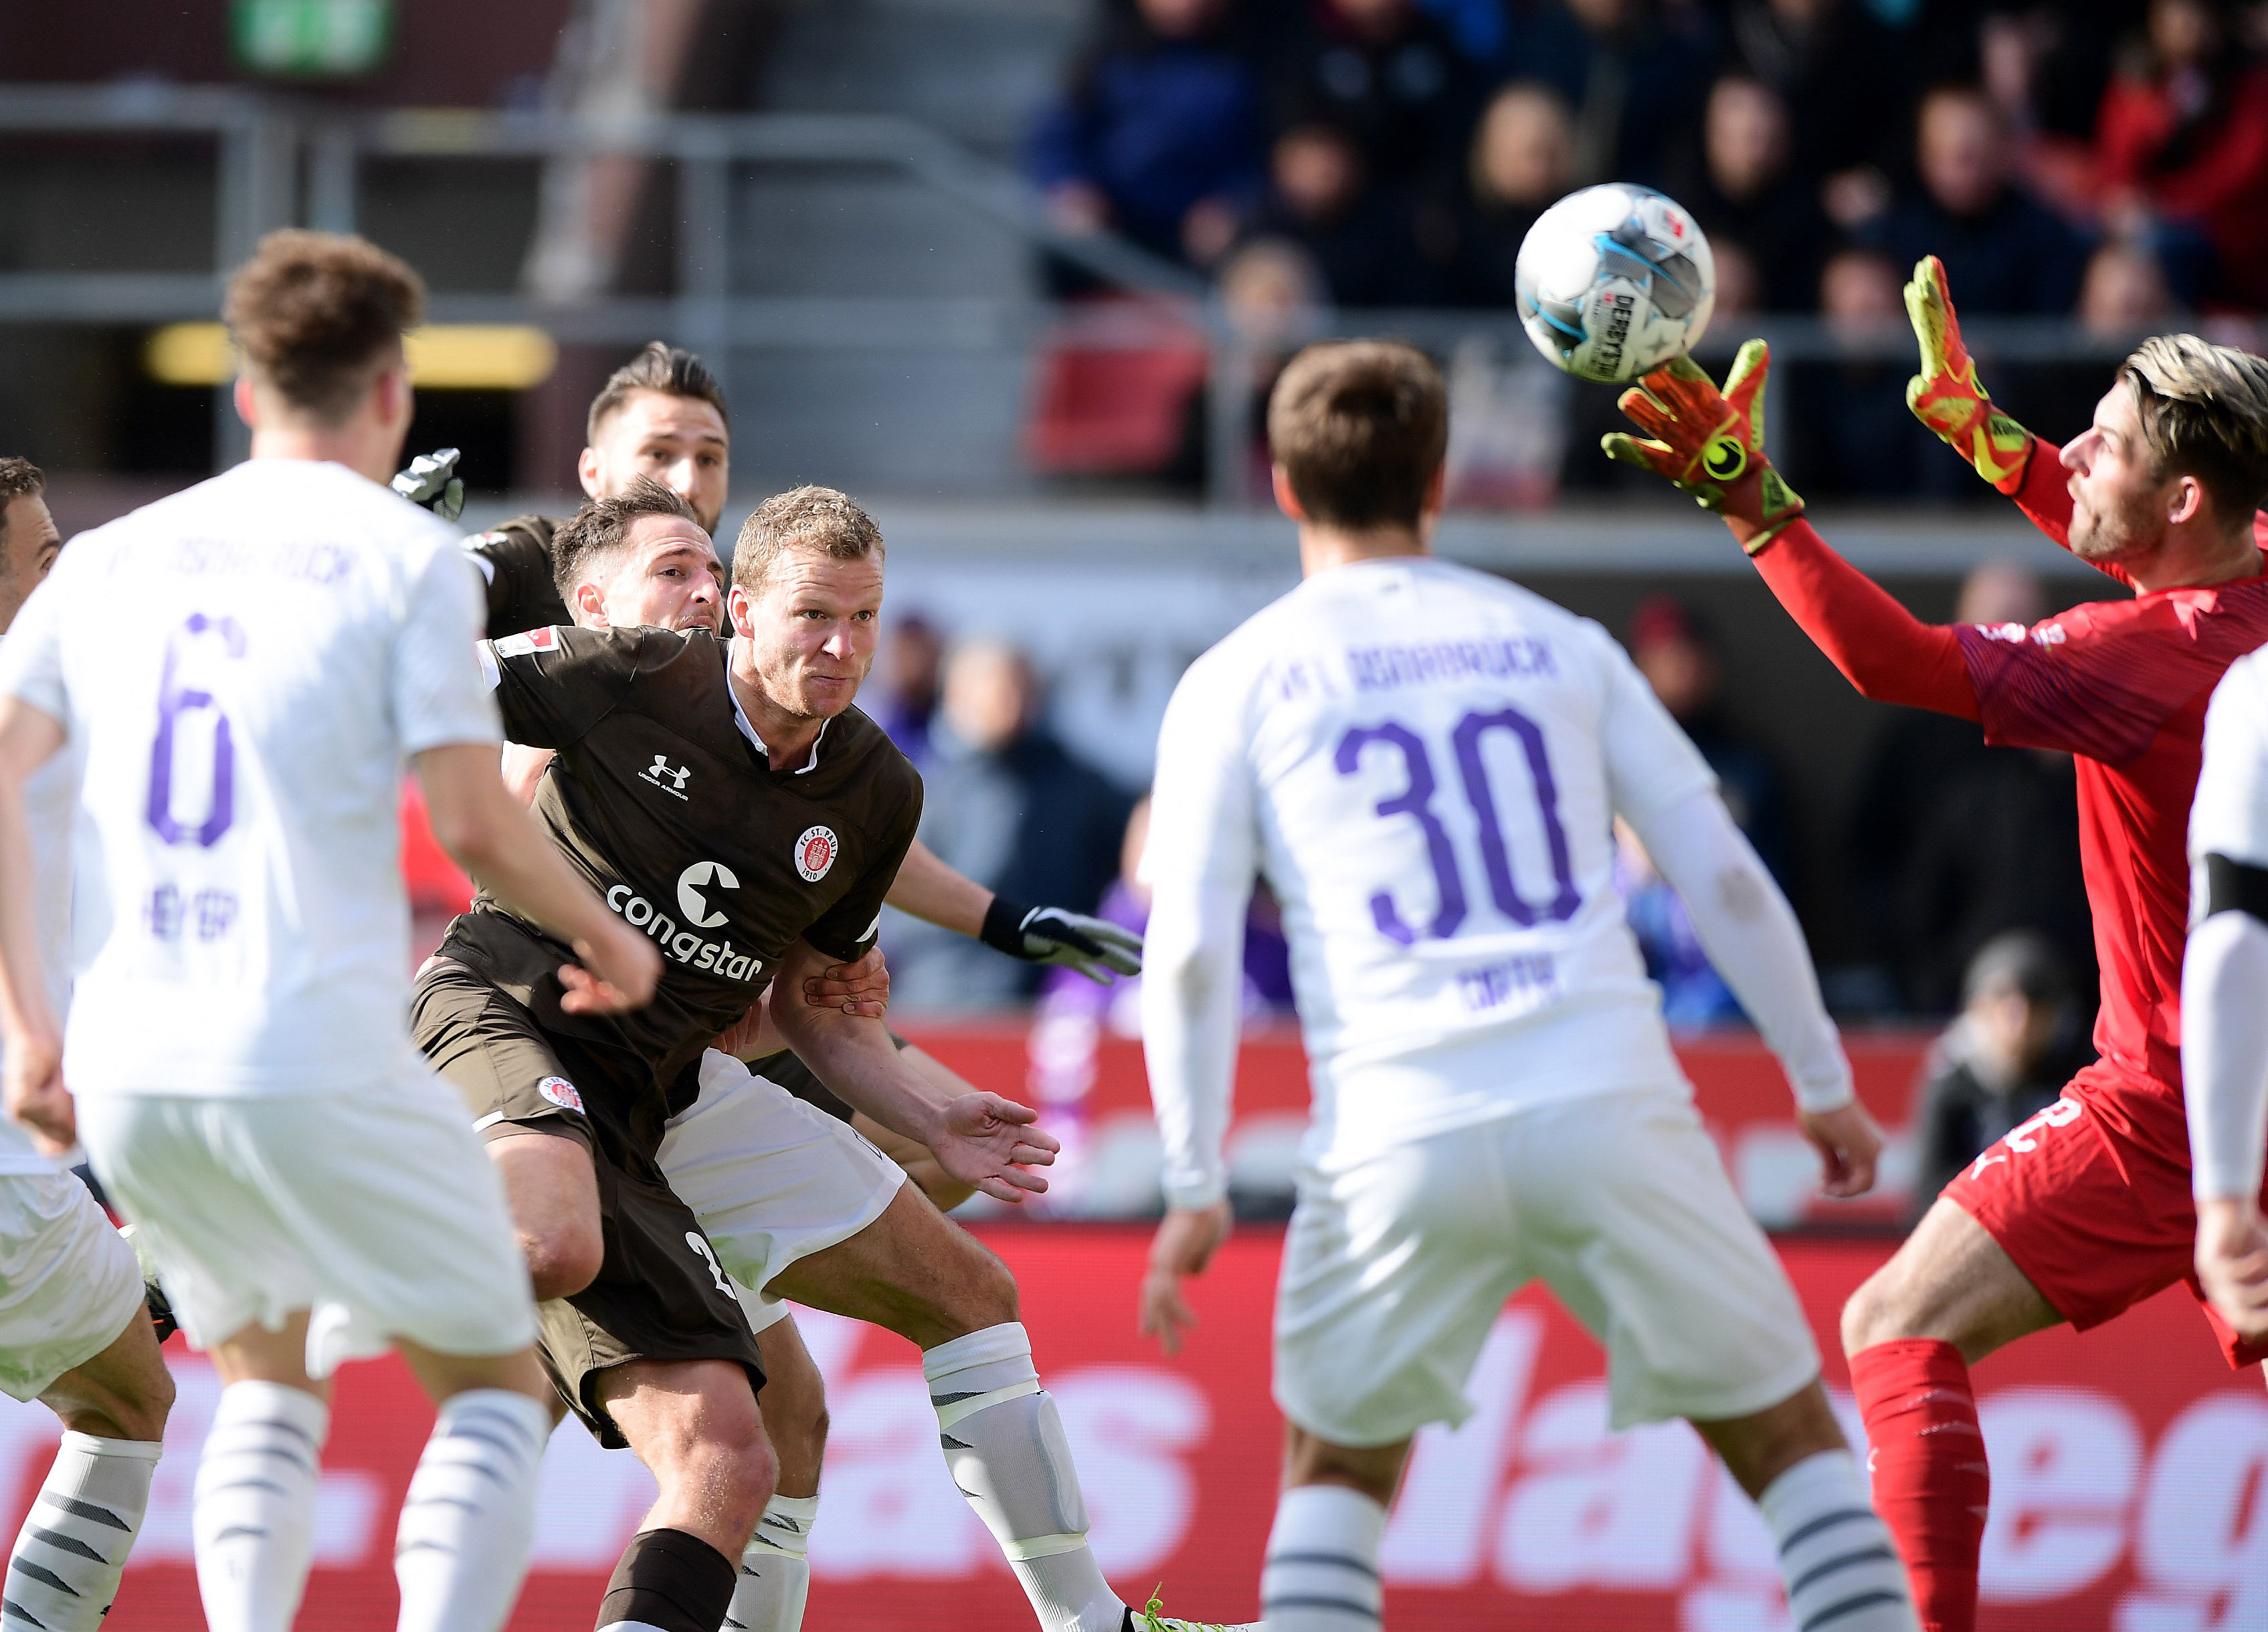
(740, 718)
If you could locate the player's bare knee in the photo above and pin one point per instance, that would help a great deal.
(985, 1294)
(1875, 1313)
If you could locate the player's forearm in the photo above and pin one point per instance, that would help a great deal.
(1192, 992)
(855, 1058)
(23, 1008)
(1753, 940)
(927, 889)
(28, 738)
(2225, 1054)
(1882, 649)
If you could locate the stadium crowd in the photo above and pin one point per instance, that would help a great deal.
(2106, 159)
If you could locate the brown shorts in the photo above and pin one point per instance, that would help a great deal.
(661, 1294)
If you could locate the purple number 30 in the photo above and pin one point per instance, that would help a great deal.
(174, 699)
(1417, 800)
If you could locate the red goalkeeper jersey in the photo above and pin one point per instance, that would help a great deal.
(2120, 684)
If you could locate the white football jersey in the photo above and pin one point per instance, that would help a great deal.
(299, 630)
(1423, 762)
(2229, 816)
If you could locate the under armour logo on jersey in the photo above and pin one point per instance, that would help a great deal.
(668, 778)
(701, 876)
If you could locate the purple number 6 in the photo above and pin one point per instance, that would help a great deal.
(173, 701)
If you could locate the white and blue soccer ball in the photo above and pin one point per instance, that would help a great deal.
(1615, 281)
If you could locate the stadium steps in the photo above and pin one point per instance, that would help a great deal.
(945, 419)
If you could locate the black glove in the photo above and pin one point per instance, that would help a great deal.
(1096, 948)
(432, 480)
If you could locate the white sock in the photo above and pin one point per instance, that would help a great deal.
(254, 1514)
(1322, 1569)
(461, 1545)
(774, 1572)
(1835, 1554)
(1005, 1446)
(63, 1573)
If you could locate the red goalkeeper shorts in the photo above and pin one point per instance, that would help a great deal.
(2091, 1199)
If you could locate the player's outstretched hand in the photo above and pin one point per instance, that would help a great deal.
(1184, 1246)
(1095, 947)
(619, 973)
(1711, 443)
(984, 1140)
(2232, 1263)
(32, 1092)
(431, 481)
(1849, 1142)
(862, 988)
(1947, 395)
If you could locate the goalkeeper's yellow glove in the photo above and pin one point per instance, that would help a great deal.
(1946, 395)
(1710, 444)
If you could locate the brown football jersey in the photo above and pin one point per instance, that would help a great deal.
(514, 558)
(665, 802)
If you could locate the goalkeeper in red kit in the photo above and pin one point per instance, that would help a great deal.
(2085, 1209)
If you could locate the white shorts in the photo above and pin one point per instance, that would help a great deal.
(69, 1282)
(1395, 1269)
(377, 1210)
(772, 1179)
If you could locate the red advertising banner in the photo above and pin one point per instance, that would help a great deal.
(2130, 1477)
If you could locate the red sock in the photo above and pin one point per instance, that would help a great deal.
(1928, 1462)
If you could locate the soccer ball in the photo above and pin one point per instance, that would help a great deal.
(1615, 281)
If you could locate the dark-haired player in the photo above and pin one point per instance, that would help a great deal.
(74, 1334)
(305, 1184)
(2085, 1209)
(1424, 763)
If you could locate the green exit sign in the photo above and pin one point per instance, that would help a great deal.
(328, 39)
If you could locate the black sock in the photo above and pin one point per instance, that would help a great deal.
(670, 1580)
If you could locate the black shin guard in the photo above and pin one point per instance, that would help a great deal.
(670, 1580)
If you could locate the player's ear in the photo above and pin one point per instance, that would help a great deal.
(2187, 502)
(247, 405)
(590, 607)
(1286, 501)
(739, 611)
(1436, 491)
(587, 471)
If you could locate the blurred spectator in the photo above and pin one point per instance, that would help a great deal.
(1160, 134)
(1272, 293)
(1383, 74)
(1849, 430)
(1007, 805)
(2183, 136)
(1917, 756)
(2004, 253)
(1956, 842)
(1073, 1014)
(1739, 280)
(1523, 161)
(1748, 198)
(2022, 57)
(1632, 71)
(1694, 996)
(2015, 1043)
(904, 702)
(1845, 78)
(1674, 650)
(2125, 292)
(1359, 231)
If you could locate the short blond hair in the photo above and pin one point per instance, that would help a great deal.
(817, 519)
(2203, 411)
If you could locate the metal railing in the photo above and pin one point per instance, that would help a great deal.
(283, 161)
